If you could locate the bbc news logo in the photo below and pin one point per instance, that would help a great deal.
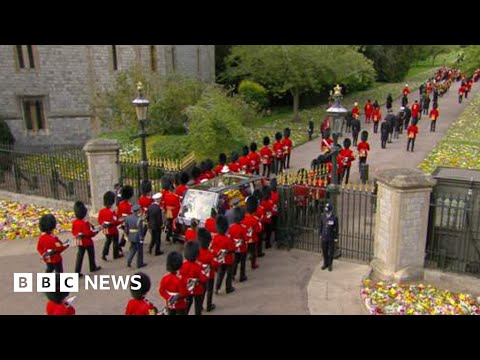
(69, 282)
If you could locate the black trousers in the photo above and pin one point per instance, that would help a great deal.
(346, 173)
(197, 299)
(91, 258)
(169, 229)
(355, 138)
(260, 243)
(58, 267)
(224, 268)
(177, 312)
(362, 160)
(267, 234)
(156, 240)
(242, 259)
(384, 141)
(412, 142)
(466, 94)
(266, 170)
(407, 121)
(460, 99)
(111, 239)
(252, 250)
(432, 125)
(286, 161)
(375, 127)
(278, 165)
(328, 247)
(208, 293)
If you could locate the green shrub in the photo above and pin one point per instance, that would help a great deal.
(254, 94)
(215, 125)
(6, 136)
(168, 146)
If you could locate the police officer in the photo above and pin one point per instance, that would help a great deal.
(329, 233)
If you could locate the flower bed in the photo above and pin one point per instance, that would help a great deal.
(20, 221)
(383, 298)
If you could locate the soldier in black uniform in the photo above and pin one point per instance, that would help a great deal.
(329, 234)
(155, 223)
(356, 127)
(384, 133)
(310, 129)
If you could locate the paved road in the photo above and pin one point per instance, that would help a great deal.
(395, 155)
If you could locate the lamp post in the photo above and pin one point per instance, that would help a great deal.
(141, 109)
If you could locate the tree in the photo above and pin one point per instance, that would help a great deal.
(424, 52)
(391, 62)
(215, 124)
(297, 69)
(471, 59)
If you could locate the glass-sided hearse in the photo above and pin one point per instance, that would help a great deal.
(218, 193)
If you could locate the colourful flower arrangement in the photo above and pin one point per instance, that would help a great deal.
(382, 298)
(20, 221)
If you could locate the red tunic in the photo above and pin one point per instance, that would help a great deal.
(347, 157)
(218, 169)
(140, 307)
(274, 197)
(190, 235)
(49, 242)
(244, 163)
(412, 131)
(253, 227)
(171, 204)
(406, 90)
(376, 115)
(234, 167)
(287, 146)
(368, 110)
(211, 225)
(415, 110)
(59, 309)
(355, 112)
(266, 155)
(124, 209)
(267, 206)
(180, 190)
(326, 144)
(85, 228)
(108, 215)
(363, 149)
(192, 277)
(223, 248)
(239, 235)
(254, 158)
(171, 285)
(145, 202)
(278, 149)
(434, 113)
(205, 258)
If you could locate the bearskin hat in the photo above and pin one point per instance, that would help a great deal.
(253, 146)
(278, 136)
(57, 296)
(166, 183)
(203, 166)
(287, 132)
(364, 135)
(184, 178)
(80, 210)
(109, 198)
(222, 159)
(146, 187)
(47, 223)
(266, 141)
(196, 172)
(127, 192)
(234, 156)
(266, 192)
(347, 143)
(222, 225)
(273, 184)
(204, 238)
(245, 151)
(252, 204)
(174, 261)
(190, 252)
(209, 164)
(145, 285)
(237, 215)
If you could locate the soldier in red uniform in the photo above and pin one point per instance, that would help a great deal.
(260, 215)
(253, 228)
(223, 248)
(49, 246)
(274, 198)
(406, 90)
(287, 148)
(434, 114)
(124, 209)
(355, 110)
(196, 174)
(58, 304)
(181, 189)
(368, 111)
(222, 163)
(239, 235)
(234, 165)
(84, 232)
(412, 132)
(377, 117)
(267, 218)
(415, 110)
(170, 204)
(146, 199)
(138, 305)
(172, 288)
(266, 156)
(278, 153)
(193, 277)
(254, 158)
(191, 233)
(211, 222)
(107, 218)
(363, 148)
(244, 161)
(327, 142)
(468, 87)
(346, 156)
(206, 259)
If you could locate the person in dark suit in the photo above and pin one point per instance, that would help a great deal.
(329, 234)
(155, 223)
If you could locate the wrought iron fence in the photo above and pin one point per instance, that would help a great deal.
(299, 218)
(453, 241)
(54, 172)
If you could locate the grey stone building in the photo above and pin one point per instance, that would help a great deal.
(46, 91)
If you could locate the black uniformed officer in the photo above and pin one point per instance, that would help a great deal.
(329, 234)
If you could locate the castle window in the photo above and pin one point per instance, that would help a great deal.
(153, 58)
(34, 114)
(114, 58)
(25, 56)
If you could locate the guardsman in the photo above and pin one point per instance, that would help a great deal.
(193, 277)
(377, 117)
(346, 155)
(138, 305)
(172, 288)
(266, 156)
(253, 228)
(412, 132)
(238, 233)
(223, 248)
(287, 148)
(49, 246)
(124, 209)
(355, 110)
(206, 260)
(278, 153)
(222, 163)
(234, 165)
(254, 158)
(181, 189)
(368, 111)
(416, 110)
(244, 161)
(58, 303)
(107, 218)
(434, 114)
(170, 204)
(363, 148)
(146, 199)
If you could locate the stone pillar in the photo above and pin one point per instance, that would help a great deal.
(103, 169)
(403, 202)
